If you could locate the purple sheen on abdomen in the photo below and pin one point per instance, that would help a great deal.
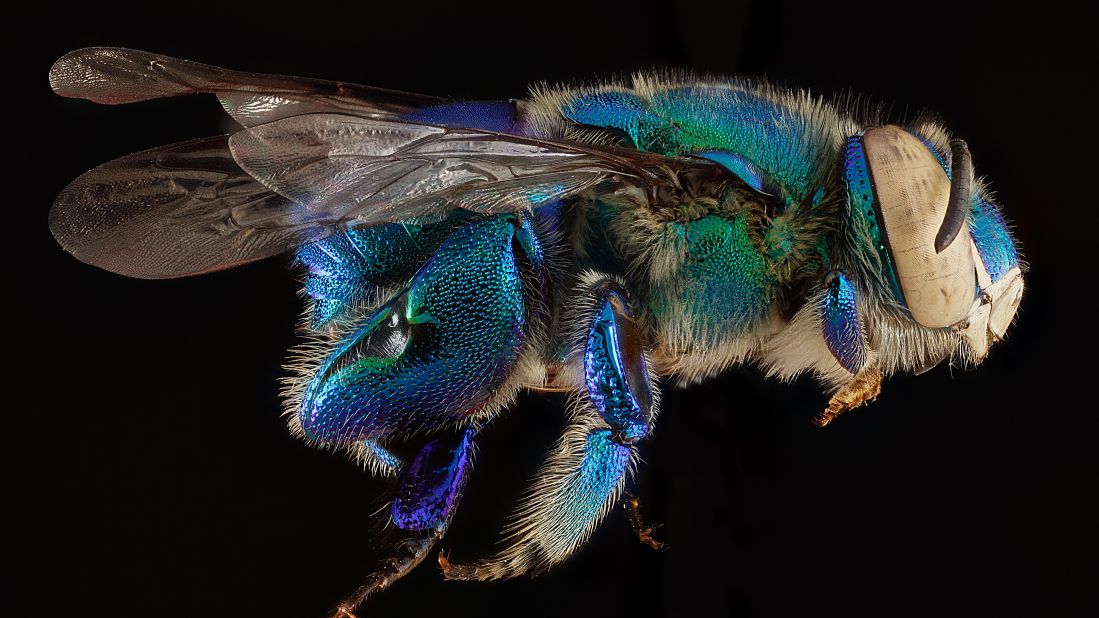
(496, 116)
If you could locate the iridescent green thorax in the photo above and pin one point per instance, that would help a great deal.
(724, 281)
(766, 138)
(775, 138)
(732, 261)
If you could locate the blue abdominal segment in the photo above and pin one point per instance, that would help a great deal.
(435, 353)
(839, 317)
(430, 487)
(614, 369)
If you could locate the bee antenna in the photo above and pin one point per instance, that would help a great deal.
(961, 183)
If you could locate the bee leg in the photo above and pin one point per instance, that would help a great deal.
(407, 554)
(840, 322)
(376, 458)
(444, 348)
(845, 336)
(575, 488)
(616, 372)
(428, 492)
(644, 533)
(585, 473)
(617, 379)
(864, 387)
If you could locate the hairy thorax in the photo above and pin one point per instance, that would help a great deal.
(718, 270)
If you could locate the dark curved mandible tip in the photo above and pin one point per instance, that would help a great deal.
(961, 184)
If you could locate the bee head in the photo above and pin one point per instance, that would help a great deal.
(944, 254)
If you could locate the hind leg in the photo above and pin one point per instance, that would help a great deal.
(441, 349)
(427, 495)
(439, 355)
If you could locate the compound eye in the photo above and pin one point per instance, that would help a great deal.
(908, 199)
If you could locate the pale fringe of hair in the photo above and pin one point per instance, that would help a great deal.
(305, 358)
(537, 536)
(302, 362)
(894, 343)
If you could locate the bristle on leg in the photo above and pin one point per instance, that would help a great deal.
(864, 387)
(407, 555)
(644, 533)
(575, 489)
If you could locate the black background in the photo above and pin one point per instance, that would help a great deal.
(151, 475)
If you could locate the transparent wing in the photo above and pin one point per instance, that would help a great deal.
(364, 171)
(113, 75)
(190, 208)
(314, 157)
(177, 210)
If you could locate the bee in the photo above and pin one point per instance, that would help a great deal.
(587, 240)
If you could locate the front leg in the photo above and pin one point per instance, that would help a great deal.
(864, 387)
(845, 335)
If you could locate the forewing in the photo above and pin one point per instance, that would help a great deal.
(367, 171)
(315, 156)
(177, 210)
(113, 75)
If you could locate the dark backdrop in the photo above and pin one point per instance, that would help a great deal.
(151, 475)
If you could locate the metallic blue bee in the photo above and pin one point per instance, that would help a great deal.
(586, 240)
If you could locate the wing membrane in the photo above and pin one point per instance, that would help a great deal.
(314, 157)
(371, 171)
(177, 210)
(112, 76)
(191, 208)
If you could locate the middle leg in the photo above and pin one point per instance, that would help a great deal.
(585, 473)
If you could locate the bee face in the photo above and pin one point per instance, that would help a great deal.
(943, 252)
